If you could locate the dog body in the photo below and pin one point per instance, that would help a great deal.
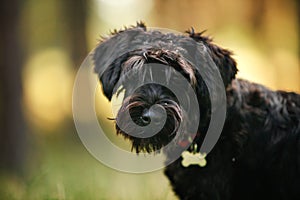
(258, 153)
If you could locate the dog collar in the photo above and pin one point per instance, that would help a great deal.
(185, 143)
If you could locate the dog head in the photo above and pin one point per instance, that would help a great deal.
(133, 49)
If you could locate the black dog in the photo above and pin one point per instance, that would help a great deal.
(258, 153)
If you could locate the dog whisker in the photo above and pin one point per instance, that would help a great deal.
(111, 118)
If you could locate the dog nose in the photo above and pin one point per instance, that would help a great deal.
(149, 115)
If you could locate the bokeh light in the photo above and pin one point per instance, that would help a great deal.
(47, 88)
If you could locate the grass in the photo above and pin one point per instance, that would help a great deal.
(61, 168)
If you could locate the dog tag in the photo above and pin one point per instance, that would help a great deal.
(193, 159)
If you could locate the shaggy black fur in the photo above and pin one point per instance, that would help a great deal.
(258, 153)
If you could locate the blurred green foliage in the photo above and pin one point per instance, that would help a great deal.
(63, 169)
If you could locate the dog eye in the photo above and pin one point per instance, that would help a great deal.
(165, 103)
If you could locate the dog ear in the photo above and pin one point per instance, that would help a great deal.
(109, 79)
(108, 67)
(224, 61)
(109, 55)
(221, 57)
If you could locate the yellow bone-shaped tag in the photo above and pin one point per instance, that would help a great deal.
(193, 159)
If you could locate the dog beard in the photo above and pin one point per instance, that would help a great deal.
(140, 106)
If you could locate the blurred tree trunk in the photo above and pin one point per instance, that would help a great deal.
(12, 127)
(75, 12)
